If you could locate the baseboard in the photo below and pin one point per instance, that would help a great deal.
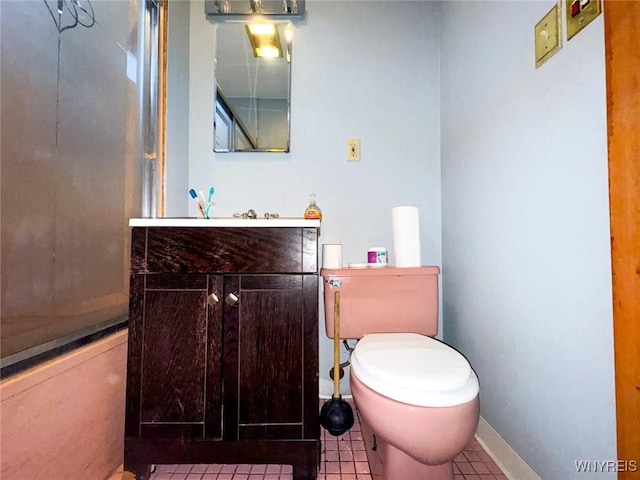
(514, 467)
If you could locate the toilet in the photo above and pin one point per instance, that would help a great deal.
(416, 396)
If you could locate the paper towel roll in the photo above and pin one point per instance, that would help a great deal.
(331, 255)
(406, 236)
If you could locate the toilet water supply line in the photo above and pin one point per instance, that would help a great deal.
(349, 349)
(337, 284)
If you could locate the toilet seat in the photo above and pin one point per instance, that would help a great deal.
(414, 369)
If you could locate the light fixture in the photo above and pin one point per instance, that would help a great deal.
(265, 40)
(288, 35)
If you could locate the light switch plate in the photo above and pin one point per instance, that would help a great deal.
(548, 35)
(580, 13)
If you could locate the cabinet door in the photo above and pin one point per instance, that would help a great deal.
(175, 384)
(263, 357)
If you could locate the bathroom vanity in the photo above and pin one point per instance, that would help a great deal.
(223, 344)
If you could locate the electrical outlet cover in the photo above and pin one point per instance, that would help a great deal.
(580, 13)
(353, 150)
(548, 35)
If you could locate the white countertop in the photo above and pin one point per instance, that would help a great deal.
(222, 222)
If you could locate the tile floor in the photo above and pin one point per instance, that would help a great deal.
(343, 458)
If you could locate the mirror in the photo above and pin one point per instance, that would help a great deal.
(252, 94)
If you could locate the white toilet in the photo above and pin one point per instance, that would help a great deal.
(417, 397)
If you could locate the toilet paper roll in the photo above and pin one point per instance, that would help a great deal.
(406, 236)
(332, 255)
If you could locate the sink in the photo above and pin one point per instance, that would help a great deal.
(223, 222)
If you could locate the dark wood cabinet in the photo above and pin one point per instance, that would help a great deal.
(223, 348)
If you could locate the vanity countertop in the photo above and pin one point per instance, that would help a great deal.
(222, 222)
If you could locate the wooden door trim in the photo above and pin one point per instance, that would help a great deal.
(622, 37)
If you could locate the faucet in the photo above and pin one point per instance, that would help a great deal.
(251, 213)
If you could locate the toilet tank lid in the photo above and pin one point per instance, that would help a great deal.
(414, 369)
(384, 271)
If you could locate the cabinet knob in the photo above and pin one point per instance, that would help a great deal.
(232, 299)
(212, 299)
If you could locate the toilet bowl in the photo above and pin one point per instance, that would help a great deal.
(418, 404)
(417, 397)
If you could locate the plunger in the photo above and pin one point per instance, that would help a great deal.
(336, 414)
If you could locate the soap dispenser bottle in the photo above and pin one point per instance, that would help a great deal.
(313, 211)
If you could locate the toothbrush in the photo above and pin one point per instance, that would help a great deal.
(204, 202)
(211, 191)
(194, 195)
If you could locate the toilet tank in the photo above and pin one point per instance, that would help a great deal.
(382, 300)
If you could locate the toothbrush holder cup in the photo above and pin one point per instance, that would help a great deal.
(205, 209)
